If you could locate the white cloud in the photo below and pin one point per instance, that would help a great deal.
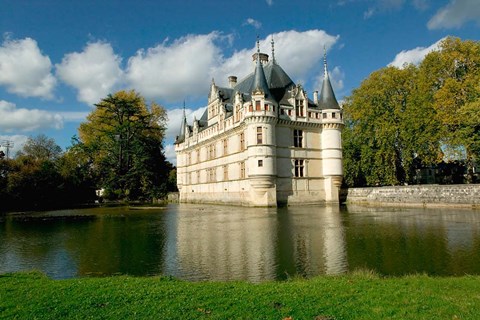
(13, 118)
(94, 72)
(269, 2)
(24, 70)
(455, 14)
(185, 68)
(175, 71)
(252, 22)
(414, 56)
(16, 142)
(170, 154)
(73, 116)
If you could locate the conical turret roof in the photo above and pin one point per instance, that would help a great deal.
(327, 96)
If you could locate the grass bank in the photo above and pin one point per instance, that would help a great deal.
(356, 296)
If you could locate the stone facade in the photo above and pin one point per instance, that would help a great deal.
(262, 142)
(461, 195)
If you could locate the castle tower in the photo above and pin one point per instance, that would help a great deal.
(331, 140)
(261, 154)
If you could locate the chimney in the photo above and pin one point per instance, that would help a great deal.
(232, 81)
(262, 56)
(315, 97)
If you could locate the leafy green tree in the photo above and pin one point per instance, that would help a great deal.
(123, 139)
(385, 130)
(450, 79)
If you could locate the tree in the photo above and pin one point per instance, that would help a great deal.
(450, 78)
(386, 129)
(41, 148)
(123, 139)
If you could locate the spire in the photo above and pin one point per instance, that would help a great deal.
(259, 80)
(181, 135)
(325, 72)
(273, 49)
(327, 98)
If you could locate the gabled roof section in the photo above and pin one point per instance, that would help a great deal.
(327, 96)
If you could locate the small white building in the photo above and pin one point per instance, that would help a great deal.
(262, 142)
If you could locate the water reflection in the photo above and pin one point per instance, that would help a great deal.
(198, 242)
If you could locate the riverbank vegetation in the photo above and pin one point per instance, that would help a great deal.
(401, 121)
(362, 295)
(119, 151)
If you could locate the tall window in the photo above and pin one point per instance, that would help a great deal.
(225, 172)
(259, 135)
(242, 141)
(258, 106)
(299, 108)
(242, 170)
(298, 138)
(299, 168)
(225, 147)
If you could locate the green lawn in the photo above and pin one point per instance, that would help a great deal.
(357, 296)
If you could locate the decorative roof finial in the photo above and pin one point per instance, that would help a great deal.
(258, 47)
(325, 61)
(273, 49)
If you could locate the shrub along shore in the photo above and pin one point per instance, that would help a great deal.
(360, 295)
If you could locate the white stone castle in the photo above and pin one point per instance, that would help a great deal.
(262, 142)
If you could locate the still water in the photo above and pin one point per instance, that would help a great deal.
(200, 242)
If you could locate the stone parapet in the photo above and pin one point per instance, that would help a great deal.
(465, 195)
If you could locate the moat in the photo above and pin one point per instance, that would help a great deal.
(201, 242)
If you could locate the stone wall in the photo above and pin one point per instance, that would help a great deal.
(464, 195)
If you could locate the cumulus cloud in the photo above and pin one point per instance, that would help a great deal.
(455, 14)
(175, 71)
(16, 143)
(20, 119)
(170, 154)
(94, 72)
(24, 70)
(73, 116)
(184, 68)
(252, 22)
(269, 2)
(413, 56)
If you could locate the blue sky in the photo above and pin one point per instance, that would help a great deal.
(58, 58)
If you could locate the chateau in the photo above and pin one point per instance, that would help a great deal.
(262, 142)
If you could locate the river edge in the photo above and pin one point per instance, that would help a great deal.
(359, 295)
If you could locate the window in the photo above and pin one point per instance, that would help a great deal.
(299, 108)
(259, 135)
(299, 168)
(334, 115)
(282, 111)
(258, 107)
(225, 147)
(298, 138)
(289, 112)
(242, 170)
(225, 172)
(250, 108)
(324, 116)
(260, 163)
(242, 141)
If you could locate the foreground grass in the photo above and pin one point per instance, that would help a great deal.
(356, 296)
